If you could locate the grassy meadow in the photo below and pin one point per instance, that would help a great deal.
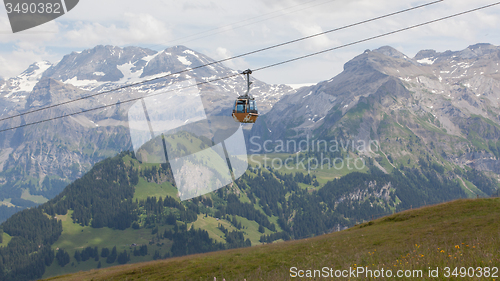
(462, 233)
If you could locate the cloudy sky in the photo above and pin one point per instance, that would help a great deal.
(224, 28)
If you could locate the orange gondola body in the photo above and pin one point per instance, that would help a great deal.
(245, 108)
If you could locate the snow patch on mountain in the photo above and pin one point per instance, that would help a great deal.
(427, 60)
(307, 95)
(184, 60)
(148, 58)
(84, 84)
(129, 76)
(28, 79)
(189, 52)
(298, 86)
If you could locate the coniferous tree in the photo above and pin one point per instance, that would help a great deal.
(112, 257)
(49, 258)
(261, 229)
(78, 256)
(104, 252)
(62, 257)
(123, 257)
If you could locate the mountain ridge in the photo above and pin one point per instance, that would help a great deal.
(435, 133)
(75, 143)
(432, 96)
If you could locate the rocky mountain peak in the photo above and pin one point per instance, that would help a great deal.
(42, 92)
(426, 54)
(178, 58)
(390, 52)
(34, 67)
(447, 88)
(477, 50)
(177, 49)
(380, 60)
(49, 91)
(99, 64)
(483, 47)
(471, 52)
(16, 87)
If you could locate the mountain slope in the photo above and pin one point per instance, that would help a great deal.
(121, 208)
(443, 107)
(451, 235)
(124, 204)
(36, 162)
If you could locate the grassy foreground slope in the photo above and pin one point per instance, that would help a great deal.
(462, 233)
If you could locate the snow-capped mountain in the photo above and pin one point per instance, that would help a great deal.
(443, 107)
(105, 68)
(65, 149)
(18, 87)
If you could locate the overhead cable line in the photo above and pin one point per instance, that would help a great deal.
(219, 61)
(261, 68)
(114, 104)
(377, 36)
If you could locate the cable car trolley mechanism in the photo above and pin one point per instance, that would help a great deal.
(245, 109)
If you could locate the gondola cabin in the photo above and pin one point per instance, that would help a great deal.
(245, 110)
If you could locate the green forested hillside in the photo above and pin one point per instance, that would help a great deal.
(124, 211)
(462, 234)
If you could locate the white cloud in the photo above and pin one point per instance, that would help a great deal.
(191, 5)
(137, 29)
(315, 43)
(223, 53)
(242, 26)
(18, 51)
(15, 62)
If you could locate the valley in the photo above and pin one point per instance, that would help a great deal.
(361, 151)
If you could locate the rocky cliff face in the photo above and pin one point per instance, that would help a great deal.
(444, 106)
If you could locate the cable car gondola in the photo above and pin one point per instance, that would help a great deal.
(245, 109)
